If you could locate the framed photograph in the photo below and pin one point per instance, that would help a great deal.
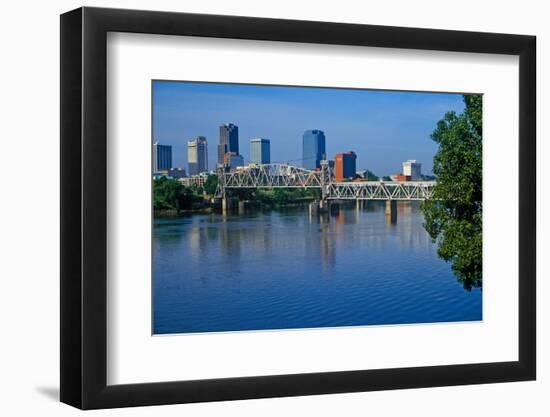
(257, 208)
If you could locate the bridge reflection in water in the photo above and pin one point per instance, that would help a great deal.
(272, 176)
(281, 269)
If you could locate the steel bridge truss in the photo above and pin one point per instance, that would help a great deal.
(374, 190)
(288, 176)
(269, 176)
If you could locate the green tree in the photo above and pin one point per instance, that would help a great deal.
(211, 184)
(369, 176)
(283, 195)
(454, 217)
(166, 194)
(170, 194)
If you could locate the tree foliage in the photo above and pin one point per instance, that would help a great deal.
(211, 184)
(283, 196)
(370, 176)
(454, 217)
(170, 194)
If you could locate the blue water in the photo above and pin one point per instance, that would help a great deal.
(284, 269)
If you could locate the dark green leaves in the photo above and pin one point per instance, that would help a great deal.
(454, 217)
(170, 194)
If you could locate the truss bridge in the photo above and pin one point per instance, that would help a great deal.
(287, 176)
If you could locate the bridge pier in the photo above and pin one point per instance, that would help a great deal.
(241, 207)
(321, 210)
(229, 204)
(391, 211)
(321, 206)
(313, 209)
(224, 205)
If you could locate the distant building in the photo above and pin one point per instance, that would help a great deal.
(313, 149)
(159, 174)
(176, 173)
(344, 165)
(162, 157)
(232, 160)
(197, 155)
(400, 177)
(229, 141)
(412, 169)
(197, 180)
(260, 151)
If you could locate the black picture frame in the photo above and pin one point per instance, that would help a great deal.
(84, 207)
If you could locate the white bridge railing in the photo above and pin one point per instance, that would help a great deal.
(288, 176)
(375, 190)
(270, 176)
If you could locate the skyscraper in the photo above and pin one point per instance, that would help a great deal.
(313, 149)
(412, 169)
(162, 157)
(229, 141)
(344, 165)
(197, 155)
(260, 151)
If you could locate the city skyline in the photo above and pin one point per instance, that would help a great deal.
(384, 128)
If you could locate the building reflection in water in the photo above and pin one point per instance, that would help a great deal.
(285, 269)
(257, 235)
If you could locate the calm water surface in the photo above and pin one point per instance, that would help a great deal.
(283, 269)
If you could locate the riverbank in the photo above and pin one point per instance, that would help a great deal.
(248, 204)
(159, 214)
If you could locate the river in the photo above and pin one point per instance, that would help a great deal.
(284, 269)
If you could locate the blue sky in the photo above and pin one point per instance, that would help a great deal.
(383, 128)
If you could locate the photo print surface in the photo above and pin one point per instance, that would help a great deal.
(284, 207)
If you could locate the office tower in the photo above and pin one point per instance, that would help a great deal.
(344, 165)
(260, 151)
(231, 160)
(412, 169)
(162, 157)
(197, 155)
(313, 149)
(229, 141)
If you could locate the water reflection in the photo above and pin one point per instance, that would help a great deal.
(287, 268)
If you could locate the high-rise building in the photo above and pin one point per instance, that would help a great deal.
(162, 157)
(412, 169)
(313, 149)
(344, 165)
(197, 155)
(231, 160)
(260, 151)
(229, 141)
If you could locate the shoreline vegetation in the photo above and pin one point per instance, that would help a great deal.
(171, 198)
(454, 218)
